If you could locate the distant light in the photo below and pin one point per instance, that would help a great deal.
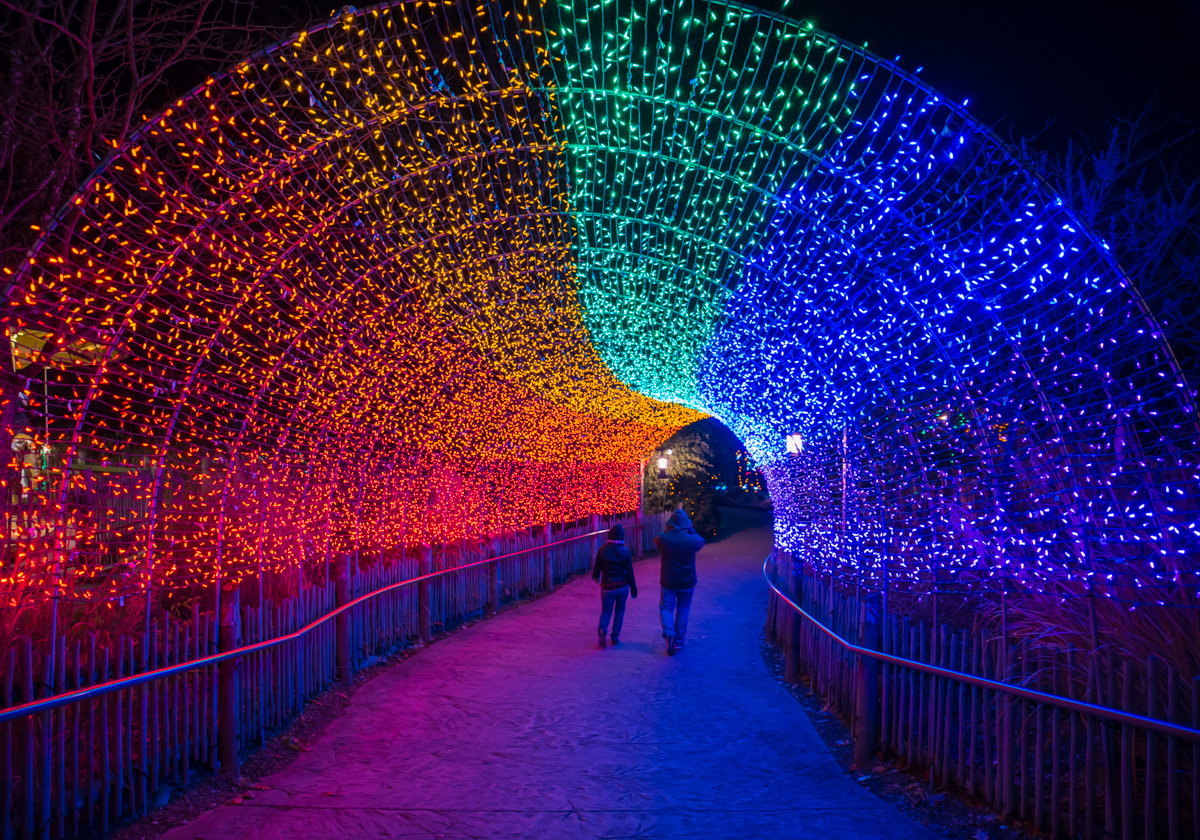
(795, 444)
(662, 463)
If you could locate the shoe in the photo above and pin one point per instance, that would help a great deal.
(671, 646)
(602, 642)
(678, 645)
(615, 640)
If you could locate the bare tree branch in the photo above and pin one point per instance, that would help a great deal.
(77, 73)
(1136, 186)
(46, 21)
(10, 212)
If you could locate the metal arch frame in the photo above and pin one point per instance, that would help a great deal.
(830, 39)
(894, 86)
(805, 26)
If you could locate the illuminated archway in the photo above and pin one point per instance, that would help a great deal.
(433, 270)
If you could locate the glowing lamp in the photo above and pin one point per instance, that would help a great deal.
(795, 444)
(662, 466)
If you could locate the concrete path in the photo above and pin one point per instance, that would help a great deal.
(521, 727)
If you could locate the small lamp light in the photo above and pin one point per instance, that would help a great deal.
(795, 444)
(662, 466)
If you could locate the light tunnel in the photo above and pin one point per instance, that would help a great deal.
(438, 269)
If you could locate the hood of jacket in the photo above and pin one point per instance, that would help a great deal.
(679, 521)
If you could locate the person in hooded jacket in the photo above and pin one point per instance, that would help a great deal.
(614, 570)
(677, 547)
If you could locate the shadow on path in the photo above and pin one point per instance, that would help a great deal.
(521, 727)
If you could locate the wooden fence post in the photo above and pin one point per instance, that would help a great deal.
(227, 702)
(547, 560)
(1174, 820)
(493, 570)
(769, 627)
(769, 630)
(28, 756)
(867, 712)
(793, 623)
(1152, 711)
(423, 606)
(345, 673)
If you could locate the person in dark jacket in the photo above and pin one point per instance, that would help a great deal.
(614, 569)
(677, 547)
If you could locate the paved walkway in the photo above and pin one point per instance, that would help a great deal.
(521, 727)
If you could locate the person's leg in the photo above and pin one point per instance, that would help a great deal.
(683, 605)
(607, 600)
(621, 596)
(666, 609)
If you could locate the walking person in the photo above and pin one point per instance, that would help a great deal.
(677, 547)
(614, 569)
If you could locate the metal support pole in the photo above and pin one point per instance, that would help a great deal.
(866, 731)
(842, 542)
(639, 516)
(547, 560)
(423, 595)
(345, 670)
(262, 527)
(227, 722)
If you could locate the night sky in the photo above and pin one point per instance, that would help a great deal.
(1022, 62)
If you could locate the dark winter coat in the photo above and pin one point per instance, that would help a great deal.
(677, 547)
(614, 564)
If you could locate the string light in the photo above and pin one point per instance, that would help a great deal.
(434, 270)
